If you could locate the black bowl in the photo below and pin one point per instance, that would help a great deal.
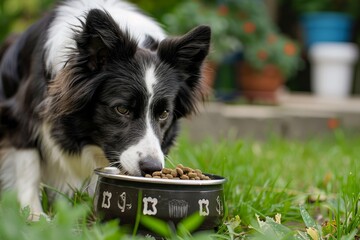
(116, 197)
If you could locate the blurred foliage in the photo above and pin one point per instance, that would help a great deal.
(17, 15)
(235, 24)
(70, 222)
(351, 7)
(238, 24)
(158, 8)
(263, 43)
(190, 14)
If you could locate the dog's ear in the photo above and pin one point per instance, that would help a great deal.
(186, 54)
(101, 40)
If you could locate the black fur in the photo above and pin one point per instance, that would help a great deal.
(22, 86)
(105, 70)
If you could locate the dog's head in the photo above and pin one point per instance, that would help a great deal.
(124, 98)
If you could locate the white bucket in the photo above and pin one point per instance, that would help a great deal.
(332, 68)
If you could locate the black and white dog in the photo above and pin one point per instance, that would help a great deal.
(94, 83)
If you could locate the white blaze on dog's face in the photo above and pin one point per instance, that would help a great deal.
(148, 149)
(123, 96)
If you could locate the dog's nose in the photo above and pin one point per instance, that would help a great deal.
(150, 165)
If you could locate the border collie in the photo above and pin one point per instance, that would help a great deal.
(92, 84)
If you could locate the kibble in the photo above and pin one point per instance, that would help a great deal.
(174, 173)
(180, 172)
(166, 170)
(169, 176)
(187, 170)
(192, 175)
(184, 177)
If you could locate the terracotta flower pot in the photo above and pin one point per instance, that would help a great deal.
(259, 85)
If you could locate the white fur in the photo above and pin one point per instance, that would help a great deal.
(149, 145)
(60, 35)
(66, 172)
(150, 81)
(20, 171)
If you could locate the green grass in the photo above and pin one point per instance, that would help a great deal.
(277, 176)
(313, 185)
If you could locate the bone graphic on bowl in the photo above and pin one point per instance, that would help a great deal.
(178, 208)
(122, 202)
(106, 199)
(149, 206)
(204, 207)
(219, 207)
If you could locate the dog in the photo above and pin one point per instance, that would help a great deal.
(93, 84)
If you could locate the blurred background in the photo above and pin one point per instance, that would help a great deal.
(300, 55)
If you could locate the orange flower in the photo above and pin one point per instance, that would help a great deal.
(289, 49)
(262, 54)
(223, 10)
(333, 123)
(249, 27)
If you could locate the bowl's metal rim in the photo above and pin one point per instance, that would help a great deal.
(217, 181)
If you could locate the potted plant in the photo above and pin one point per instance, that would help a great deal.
(242, 24)
(269, 57)
(266, 65)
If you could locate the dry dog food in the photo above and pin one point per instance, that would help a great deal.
(180, 172)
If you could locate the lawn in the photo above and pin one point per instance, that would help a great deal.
(277, 189)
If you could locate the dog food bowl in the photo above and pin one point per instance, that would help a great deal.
(121, 196)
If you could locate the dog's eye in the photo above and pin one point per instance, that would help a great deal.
(122, 110)
(164, 115)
